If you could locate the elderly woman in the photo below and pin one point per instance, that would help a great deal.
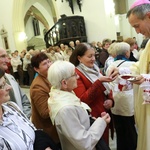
(68, 113)
(92, 88)
(16, 130)
(103, 55)
(112, 53)
(133, 52)
(123, 110)
(39, 93)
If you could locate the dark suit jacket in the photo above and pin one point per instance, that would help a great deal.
(132, 58)
(103, 55)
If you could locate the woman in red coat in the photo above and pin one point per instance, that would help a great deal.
(93, 87)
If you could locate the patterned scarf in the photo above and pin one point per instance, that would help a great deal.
(121, 57)
(93, 74)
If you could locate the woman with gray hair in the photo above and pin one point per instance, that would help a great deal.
(16, 130)
(123, 110)
(112, 53)
(69, 114)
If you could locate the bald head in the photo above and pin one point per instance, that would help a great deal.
(3, 59)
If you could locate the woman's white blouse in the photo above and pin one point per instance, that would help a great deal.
(16, 131)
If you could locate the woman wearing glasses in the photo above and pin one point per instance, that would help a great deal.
(69, 114)
(16, 130)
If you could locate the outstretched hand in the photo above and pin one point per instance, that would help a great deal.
(105, 79)
(113, 73)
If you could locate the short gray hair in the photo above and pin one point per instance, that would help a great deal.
(122, 48)
(58, 71)
(140, 11)
(111, 50)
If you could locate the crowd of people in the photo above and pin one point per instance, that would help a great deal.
(99, 89)
(78, 92)
(19, 64)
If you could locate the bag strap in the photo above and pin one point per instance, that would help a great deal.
(121, 63)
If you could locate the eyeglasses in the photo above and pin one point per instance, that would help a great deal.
(74, 75)
(3, 56)
(3, 86)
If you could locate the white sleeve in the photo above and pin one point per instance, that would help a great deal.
(20, 98)
(70, 126)
(124, 70)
